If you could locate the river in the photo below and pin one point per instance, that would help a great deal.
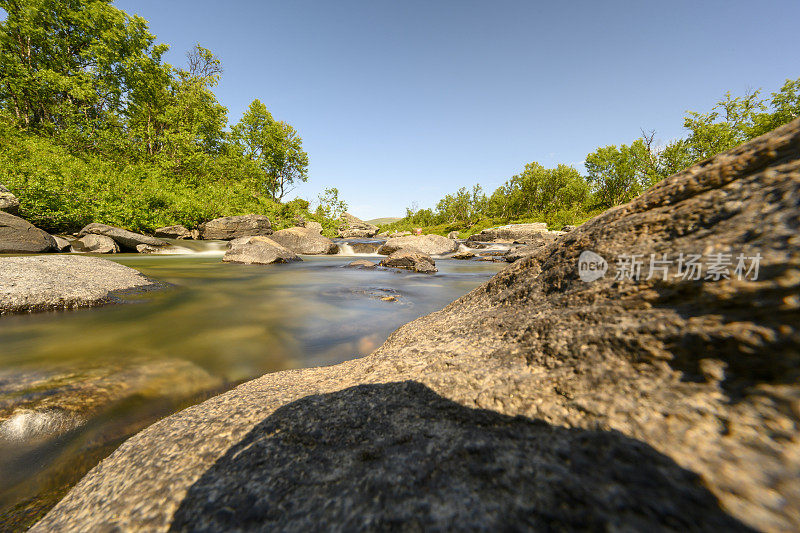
(75, 384)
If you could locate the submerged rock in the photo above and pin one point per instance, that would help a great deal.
(96, 244)
(426, 244)
(18, 236)
(173, 232)
(126, 239)
(258, 250)
(539, 401)
(228, 228)
(410, 260)
(304, 241)
(63, 282)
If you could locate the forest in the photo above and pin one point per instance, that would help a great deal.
(96, 127)
(613, 174)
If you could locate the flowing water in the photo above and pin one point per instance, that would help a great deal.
(75, 384)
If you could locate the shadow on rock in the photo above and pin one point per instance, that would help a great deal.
(398, 456)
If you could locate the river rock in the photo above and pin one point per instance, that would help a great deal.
(258, 250)
(464, 254)
(410, 260)
(362, 247)
(126, 239)
(452, 235)
(18, 236)
(96, 244)
(228, 228)
(173, 232)
(427, 244)
(8, 202)
(64, 282)
(362, 263)
(534, 243)
(314, 226)
(62, 244)
(352, 227)
(538, 401)
(510, 233)
(304, 241)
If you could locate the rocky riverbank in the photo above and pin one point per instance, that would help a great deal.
(539, 400)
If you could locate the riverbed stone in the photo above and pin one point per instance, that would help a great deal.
(40, 283)
(128, 240)
(426, 244)
(173, 232)
(364, 247)
(352, 227)
(258, 250)
(95, 244)
(410, 260)
(229, 228)
(539, 401)
(18, 236)
(304, 241)
(362, 263)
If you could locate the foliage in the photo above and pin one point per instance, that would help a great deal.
(94, 126)
(330, 206)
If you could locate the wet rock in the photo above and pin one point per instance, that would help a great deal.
(173, 232)
(258, 250)
(410, 260)
(362, 263)
(465, 254)
(8, 202)
(426, 244)
(128, 240)
(96, 244)
(354, 228)
(511, 233)
(18, 236)
(63, 282)
(147, 249)
(538, 401)
(304, 241)
(228, 228)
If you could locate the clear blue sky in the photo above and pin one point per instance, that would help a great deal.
(405, 101)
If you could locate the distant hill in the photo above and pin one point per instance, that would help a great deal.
(384, 220)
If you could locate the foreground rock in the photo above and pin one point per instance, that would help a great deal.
(355, 228)
(95, 244)
(18, 236)
(228, 228)
(304, 241)
(8, 202)
(410, 260)
(511, 233)
(128, 240)
(173, 232)
(538, 401)
(426, 244)
(258, 250)
(64, 282)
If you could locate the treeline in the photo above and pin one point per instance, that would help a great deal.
(614, 174)
(95, 126)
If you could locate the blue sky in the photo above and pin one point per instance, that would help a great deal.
(401, 102)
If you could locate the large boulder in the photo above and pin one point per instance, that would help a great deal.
(18, 236)
(62, 243)
(304, 241)
(128, 240)
(312, 225)
(539, 401)
(427, 244)
(64, 282)
(173, 232)
(258, 250)
(410, 260)
(352, 227)
(229, 228)
(8, 202)
(96, 244)
(510, 233)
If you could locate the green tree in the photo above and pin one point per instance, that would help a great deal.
(619, 174)
(330, 206)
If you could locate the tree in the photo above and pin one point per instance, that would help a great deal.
(619, 174)
(274, 148)
(330, 206)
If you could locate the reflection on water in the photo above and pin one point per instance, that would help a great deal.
(74, 384)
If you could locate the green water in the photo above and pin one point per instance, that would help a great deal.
(75, 384)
